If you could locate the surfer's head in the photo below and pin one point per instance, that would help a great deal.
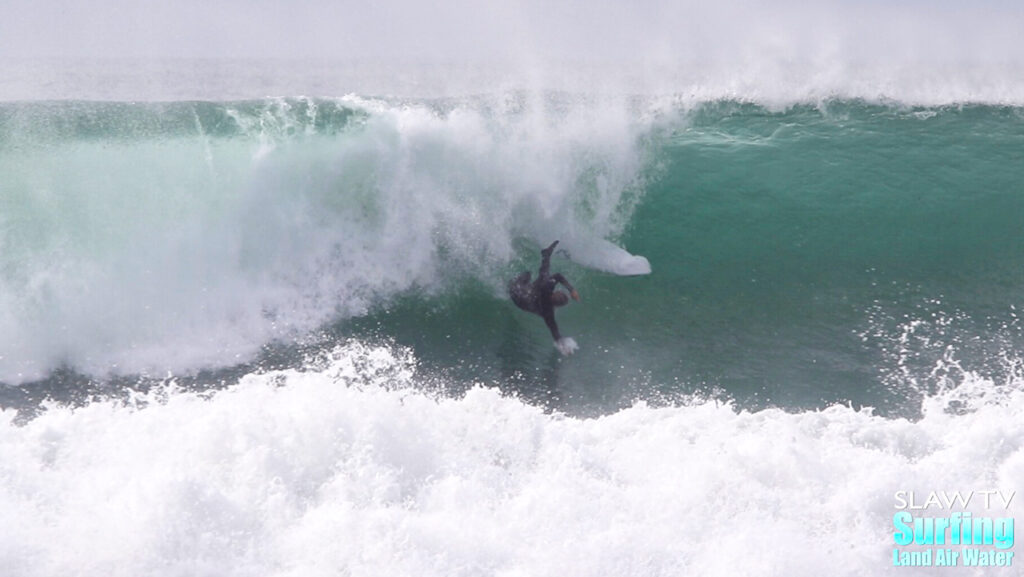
(559, 299)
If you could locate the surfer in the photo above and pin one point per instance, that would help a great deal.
(540, 297)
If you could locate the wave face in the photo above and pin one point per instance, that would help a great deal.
(826, 246)
(271, 336)
(165, 237)
(839, 252)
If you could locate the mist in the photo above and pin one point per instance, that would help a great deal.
(756, 47)
(459, 29)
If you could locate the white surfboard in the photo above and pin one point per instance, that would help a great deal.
(600, 254)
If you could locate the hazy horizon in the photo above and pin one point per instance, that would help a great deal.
(457, 30)
(917, 51)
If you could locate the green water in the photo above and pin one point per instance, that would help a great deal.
(839, 253)
(805, 257)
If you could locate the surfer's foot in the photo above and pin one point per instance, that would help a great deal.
(549, 250)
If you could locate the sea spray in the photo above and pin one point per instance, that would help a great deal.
(347, 465)
(171, 237)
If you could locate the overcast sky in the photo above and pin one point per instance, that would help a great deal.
(478, 30)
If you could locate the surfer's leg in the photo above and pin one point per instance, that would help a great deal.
(545, 259)
(549, 319)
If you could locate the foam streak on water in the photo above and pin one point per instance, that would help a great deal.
(342, 468)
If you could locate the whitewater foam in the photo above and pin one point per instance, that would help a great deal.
(139, 252)
(345, 466)
(566, 346)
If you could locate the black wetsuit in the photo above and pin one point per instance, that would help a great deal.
(537, 296)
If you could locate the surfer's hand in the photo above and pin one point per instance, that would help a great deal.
(575, 296)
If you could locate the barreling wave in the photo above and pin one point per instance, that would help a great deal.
(168, 236)
(834, 266)
(790, 247)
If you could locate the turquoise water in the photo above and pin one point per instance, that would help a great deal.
(253, 267)
(271, 336)
(792, 251)
(844, 252)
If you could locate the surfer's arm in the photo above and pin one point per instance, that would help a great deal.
(565, 282)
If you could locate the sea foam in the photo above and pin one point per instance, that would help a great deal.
(347, 466)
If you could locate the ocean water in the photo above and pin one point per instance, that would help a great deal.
(250, 335)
